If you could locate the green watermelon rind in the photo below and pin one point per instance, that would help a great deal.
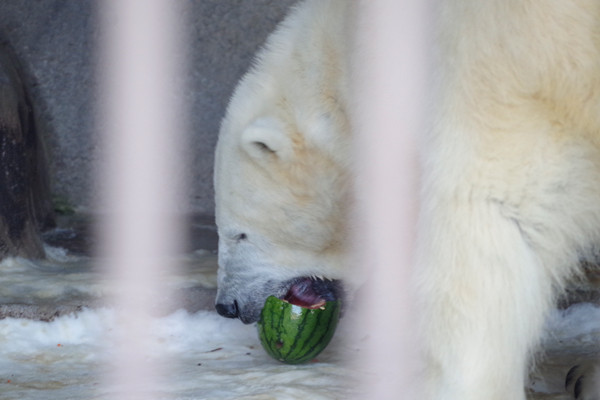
(294, 334)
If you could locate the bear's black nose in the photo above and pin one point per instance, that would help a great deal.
(228, 310)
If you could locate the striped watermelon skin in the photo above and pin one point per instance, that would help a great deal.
(294, 334)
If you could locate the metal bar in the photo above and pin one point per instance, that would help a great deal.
(140, 184)
(390, 70)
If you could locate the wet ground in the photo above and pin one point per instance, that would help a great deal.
(76, 281)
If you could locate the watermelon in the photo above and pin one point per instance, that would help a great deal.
(294, 334)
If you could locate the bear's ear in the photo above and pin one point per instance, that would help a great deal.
(266, 138)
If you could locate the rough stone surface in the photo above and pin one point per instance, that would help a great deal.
(56, 43)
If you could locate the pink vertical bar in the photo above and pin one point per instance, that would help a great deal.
(140, 184)
(391, 67)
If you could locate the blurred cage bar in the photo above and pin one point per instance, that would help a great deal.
(391, 66)
(142, 135)
(139, 67)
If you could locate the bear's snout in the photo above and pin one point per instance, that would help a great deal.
(244, 306)
(230, 310)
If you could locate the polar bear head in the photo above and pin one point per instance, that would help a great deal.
(282, 175)
(282, 199)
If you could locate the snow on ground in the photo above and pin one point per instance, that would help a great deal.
(212, 358)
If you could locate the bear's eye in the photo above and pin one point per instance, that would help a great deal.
(240, 237)
(263, 147)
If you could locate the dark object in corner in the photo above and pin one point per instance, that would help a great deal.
(25, 206)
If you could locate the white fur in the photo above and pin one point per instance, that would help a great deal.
(510, 197)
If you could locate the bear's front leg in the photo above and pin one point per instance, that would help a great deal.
(484, 298)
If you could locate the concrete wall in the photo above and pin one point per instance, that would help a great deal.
(56, 41)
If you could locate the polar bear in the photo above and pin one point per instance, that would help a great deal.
(510, 178)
